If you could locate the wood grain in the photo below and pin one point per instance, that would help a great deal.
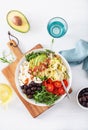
(9, 73)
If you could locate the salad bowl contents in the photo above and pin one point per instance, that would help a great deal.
(37, 79)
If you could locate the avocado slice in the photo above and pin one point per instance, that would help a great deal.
(37, 60)
(18, 21)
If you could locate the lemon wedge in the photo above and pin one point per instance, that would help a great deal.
(5, 93)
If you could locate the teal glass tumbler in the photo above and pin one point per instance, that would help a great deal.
(57, 27)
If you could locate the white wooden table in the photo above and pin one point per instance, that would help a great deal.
(66, 115)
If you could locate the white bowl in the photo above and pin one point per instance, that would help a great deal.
(78, 102)
(31, 100)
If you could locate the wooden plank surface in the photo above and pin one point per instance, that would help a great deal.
(9, 73)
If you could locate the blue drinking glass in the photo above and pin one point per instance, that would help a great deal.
(57, 27)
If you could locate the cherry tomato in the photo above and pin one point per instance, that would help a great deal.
(57, 84)
(44, 83)
(61, 91)
(55, 91)
(65, 82)
(50, 87)
(49, 81)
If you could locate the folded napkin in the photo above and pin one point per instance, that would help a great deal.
(77, 55)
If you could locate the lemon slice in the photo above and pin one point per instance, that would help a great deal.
(5, 93)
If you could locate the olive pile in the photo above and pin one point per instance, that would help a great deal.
(83, 97)
(31, 88)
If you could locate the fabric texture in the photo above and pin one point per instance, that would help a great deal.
(77, 55)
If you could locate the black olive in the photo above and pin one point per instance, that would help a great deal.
(25, 87)
(80, 99)
(30, 96)
(32, 92)
(86, 93)
(84, 104)
(28, 91)
(38, 84)
(87, 97)
(39, 88)
(22, 87)
(83, 98)
(33, 88)
(79, 96)
(87, 104)
(32, 83)
(86, 89)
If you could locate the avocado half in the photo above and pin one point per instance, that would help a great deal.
(22, 22)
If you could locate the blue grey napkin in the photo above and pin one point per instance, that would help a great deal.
(77, 55)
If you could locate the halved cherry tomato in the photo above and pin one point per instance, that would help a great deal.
(57, 84)
(55, 91)
(49, 81)
(61, 91)
(65, 82)
(50, 87)
(46, 82)
(55, 87)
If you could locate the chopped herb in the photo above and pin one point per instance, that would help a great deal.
(5, 59)
(49, 51)
(35, 54)
(52, 41)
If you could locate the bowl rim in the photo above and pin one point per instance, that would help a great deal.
(32, 100)
(81, 106)
(62, 20)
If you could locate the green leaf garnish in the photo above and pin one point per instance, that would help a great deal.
(45, 97)
(5, 59)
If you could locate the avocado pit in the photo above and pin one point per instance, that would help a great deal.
(17, 20)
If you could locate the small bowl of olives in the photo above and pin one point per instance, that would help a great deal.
(82, 98)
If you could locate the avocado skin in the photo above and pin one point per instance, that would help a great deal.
(22, 31)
